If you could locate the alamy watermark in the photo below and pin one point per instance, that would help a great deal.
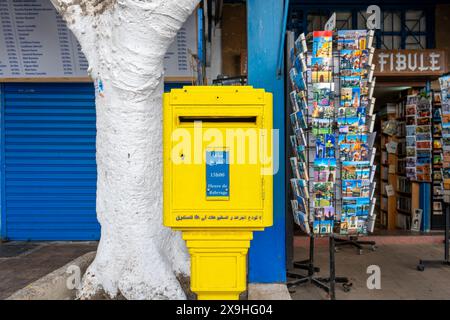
(73, 281)
(253, 146)
(374, 279)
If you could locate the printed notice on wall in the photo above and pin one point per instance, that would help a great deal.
(35, 42)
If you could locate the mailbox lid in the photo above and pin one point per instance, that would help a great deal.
(217, 95)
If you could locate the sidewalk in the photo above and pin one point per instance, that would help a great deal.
(399, 276)
(24, 262)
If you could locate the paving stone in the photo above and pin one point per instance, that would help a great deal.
(399, 276)
(18, 271)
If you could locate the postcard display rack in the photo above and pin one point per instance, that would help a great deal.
(333, 122)
(418, 137)
(437, 193)
(444, 113)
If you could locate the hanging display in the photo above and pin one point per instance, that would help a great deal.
(445, 110)
(323, 132)
(333, 145)
(353, 125)
(418, 111)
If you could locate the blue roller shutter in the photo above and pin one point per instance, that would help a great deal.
(49, 162)
(48, 176)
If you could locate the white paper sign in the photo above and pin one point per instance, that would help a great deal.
(390, 190)
(331, 23)
(391, 147)
(35, 43)
(416, 220)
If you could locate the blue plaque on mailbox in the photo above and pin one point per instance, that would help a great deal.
(217, 174)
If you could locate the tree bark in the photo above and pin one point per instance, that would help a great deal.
(125, 42)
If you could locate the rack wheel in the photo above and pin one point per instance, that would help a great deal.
(374, 248)
(420, 267)
(360, 251)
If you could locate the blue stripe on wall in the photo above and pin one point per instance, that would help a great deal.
(264, 22)
(2, 165)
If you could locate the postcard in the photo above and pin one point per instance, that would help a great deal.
(410, 130)
(323, 194)
(423, 121)
(437, 130)
(350, 97)
(350, 82)
(297, 80)
(301, 219)
(423, 129)
(349, 225)
(352, 138)
(323, 227)
(364, 85)
(423, 156)
(412, 99)
(325, 146)
(302, 203)
(411, 173)
(294, 167)
(324, 170)
(321, 70)
(423, 136)
(438, 190)
(411, 162)
(355, 188)
(294, 144)
(301, 153)
(355, 172)
(352, 124)
(323, 94)
(410, 141)
(300, 63)
(303, 170)
(298, 101)
(324, 213)
(410, 121)
(322, 126)
(352, 39)
(301, 186)
(350, 59)
(354, 152)
(301, 138)
(437, 160)
(322, 44)
(423, 144)
(356, 207)
(323, 102)
(410, 110)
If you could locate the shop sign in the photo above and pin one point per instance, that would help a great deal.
(427, 62)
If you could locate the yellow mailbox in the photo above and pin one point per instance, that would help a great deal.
(218, 164)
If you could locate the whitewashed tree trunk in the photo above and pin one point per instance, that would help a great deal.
(125, 42)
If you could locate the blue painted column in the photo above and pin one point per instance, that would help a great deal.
(425, 205)
(2, 164)
(425, 191)
(264, 24)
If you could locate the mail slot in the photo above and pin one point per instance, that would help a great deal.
(218, 168)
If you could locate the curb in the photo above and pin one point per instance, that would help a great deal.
(53, 286)
(268, 291)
